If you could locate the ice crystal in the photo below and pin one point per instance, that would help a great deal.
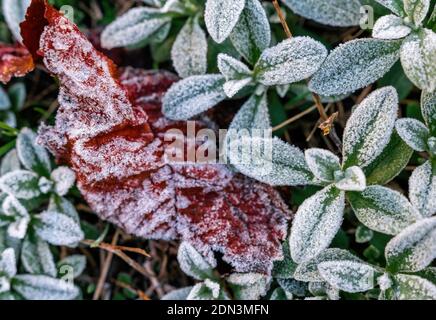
(189, 51)
(340, 13)
(14, 12)
(316, 223)
(249, 286)
(193, 263)
(290, 61)
(411, 287)
(422, 190)
(390, 27)
(63, 178)
(322, 163)
(39, 287)
(370, 127)
(354, 65)
(221, 16)
(414, 133)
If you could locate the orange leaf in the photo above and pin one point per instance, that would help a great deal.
(15, 61)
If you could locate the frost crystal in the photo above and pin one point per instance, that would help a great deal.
(290, 61)
(417, 10)
(14, 12)
(414, 133)
(414, 248)
(221, 16)
(422, 190)
(64, 179)
(316, 223)
(322, 163)
(370, 127)
(390, 27)
(410, 287)
(354, 65)
(189, 52)
(383, 210)
(340, 13)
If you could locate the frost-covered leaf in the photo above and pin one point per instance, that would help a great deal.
(383, 210)
(294, 287)
(339, 13)
(21, 184)
(355, 65)
(428, 108)
(179, 294)
(192, 96)
(189, 51)
(36, 257)
(290, 61)
(414, 133)
(308, 271)
(193, 263)
(231, 68)
(58, 229)
(417, 10)
(390, 27)
(370, 127)
(418, 57)
(414, 248)
(422, 190)
(249, 286)
(134, 27)
(17, 94)
(411, 287)
(33, 156)
(252, 34)
(10, 162)
(64, 179)
(17, 228)
(316, 223)
(271, 161)
(363, 234)
(253, 114)
(349, 276)
(62, 205)
(14, 12)
(280, 294)
(207, 290)
(8, 264)
(396, 6)
(75, 262)
(390, 163)
(39, 287)
(324, 289)
(15, 61)
(5, 103)
(322, 163)
(285, 268)
(221, 16)
(353, 179)
(232, 87)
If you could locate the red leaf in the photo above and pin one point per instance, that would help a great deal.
(111, 132)
(15, 61)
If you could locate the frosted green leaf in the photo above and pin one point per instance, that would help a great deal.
(284, 269)
(10, 162)
(14, 12)
(62, 205)
(290, 61)
(193, 263)
(232, 87)
(39, 287)
(189, 52)
(418, 57)
(192, 96)
(271, 161)
(294, 287)
(348, 276)
(58, 229)
(410, 287)
(323, 289)
(354, 65)
(179, 294)
(396, 6)
(417, 10)
(17, 95)
(134, 27)
(64, 179)
(231, 68)
(280, 294)
(282, 90)
(21, 184)
(177, 6)
(8, 265)
(207, 290)
(308, 271)
(363, 234)
(252, 34)
(338, 13)
(422, 190)
(428, 108)
(11, 207)
(390, 27)
(5, 103)
(370, 127)
(414, 248)
(353, 179)
(253, 114)
(316, 223)
(322, 163)
(383, 210)
(37, 258)
(32, 156)
(221, 16)
(414, 133)
(249, 286)
(45, 185)
(75, 262)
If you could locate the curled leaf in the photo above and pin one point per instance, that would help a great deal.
(15, 61)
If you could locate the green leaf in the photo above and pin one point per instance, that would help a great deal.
(5, 103)
(33, 156)
(422, 189)
(14, 12)
(62, 205)
(232, 68)
(383, 210)
(322, 163)
(179, 294)
(8, 264)
(17, 93)
(284, 269)
(354, 65)
(417, 10)
(37, 258)
(207, 290)
(410, 287)
(414, 248)
(363, 234)
(390, 27)
(353, 179)
(414, 133)
(21, 184)
(10, 162)
(428, 107)
(39, 287)
(396, 6)
(252, 115)
(193, 263)
(249, 286)
(398, 79)
(316, 223)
